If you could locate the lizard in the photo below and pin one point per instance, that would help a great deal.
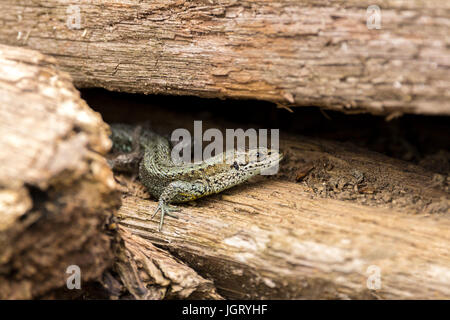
(148, 153)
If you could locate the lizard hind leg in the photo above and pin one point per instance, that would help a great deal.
(178, 191)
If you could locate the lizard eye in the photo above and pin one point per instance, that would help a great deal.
(235, 165)
(258, 154)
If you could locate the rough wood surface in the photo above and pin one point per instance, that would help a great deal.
(56, 190)
(149, 272)
(313, 52)
(277, 238)
(272, 240)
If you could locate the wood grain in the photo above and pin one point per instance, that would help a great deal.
(271, 240)
(295, 53)
(274, 238)
(56, 190)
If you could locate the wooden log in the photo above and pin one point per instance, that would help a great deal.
(148, 272)
(271, 240)
(56, 189)
(57, 193)
(297, 53)
(352, 216)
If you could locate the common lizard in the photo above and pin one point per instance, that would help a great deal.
(143, 150)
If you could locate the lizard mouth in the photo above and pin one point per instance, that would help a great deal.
(275, 156)
(269, 160)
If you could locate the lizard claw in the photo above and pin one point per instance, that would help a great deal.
(172, 208)
(165, 210)
(156, 211)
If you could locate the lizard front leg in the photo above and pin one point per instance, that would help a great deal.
(179, 191)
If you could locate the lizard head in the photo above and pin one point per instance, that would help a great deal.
(256, 161)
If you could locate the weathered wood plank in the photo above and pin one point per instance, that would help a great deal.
(271, 240)
(318, 238)
(56, 189)
(301, 53)
(149, 272)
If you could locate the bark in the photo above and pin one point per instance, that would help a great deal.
(149, 272)
(272, 241)
(56, 190)
(294, 53)
(57, 194)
